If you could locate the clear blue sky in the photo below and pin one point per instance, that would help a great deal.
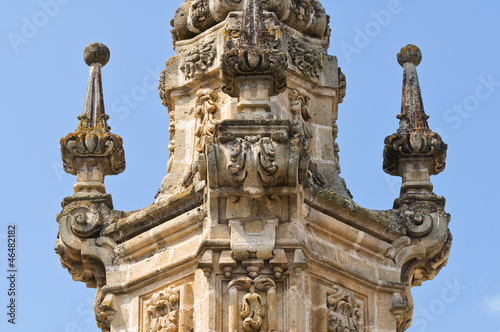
(43, 82)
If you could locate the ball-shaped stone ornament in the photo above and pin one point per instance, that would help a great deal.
(96, 53)
(410, 54)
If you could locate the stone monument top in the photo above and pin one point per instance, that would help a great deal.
(253, 229)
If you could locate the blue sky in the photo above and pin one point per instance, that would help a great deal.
(42, 87)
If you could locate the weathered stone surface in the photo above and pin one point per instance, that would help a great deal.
(253, 229)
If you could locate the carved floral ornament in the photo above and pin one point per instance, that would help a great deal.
(197, 61)
(345, 311)
(161, 311)
(305, 59)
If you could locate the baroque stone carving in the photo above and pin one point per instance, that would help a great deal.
(305, 59)
(162, 311)
(342, 86)
(85, 218)
(198, 60)
(413, 138)
(416, 143)
(301, 131)
(258, 303)
(204, 111)
(205, 128)
(308, 17)
(402, 311)
(426, 269)
(92, 152)
(345, 312)
(254, 52)
(104, 310)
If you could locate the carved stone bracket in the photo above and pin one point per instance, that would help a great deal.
(78, 244)
(105, 310)
(252, 157)
(402, 311)
(253, 238)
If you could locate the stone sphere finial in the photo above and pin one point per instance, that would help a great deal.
(410, 54)
(96, 53)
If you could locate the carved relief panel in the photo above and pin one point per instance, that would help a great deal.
(345, 311)
(169, 309)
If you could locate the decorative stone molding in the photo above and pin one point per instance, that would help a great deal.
(252, 158)
(345, 313)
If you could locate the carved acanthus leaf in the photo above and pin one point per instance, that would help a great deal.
(267, 166)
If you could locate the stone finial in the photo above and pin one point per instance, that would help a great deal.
(92, 152)
(414, 152)
(96, 55)
(412, 108)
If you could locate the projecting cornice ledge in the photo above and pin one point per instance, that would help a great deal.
(140, 221)
(414, 238)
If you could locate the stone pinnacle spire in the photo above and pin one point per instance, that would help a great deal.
(92, 152)
(412, 108)
(96, 55)
(414, 152)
